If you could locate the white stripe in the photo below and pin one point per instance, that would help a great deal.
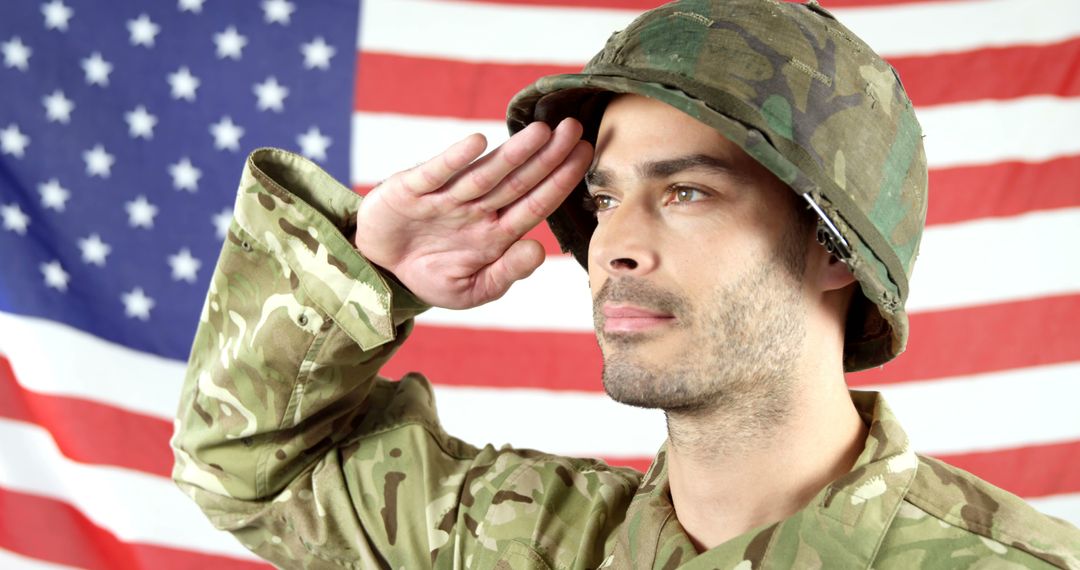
(570, 36)
(133, 506)
(51, 358)
(384, 143)
(987, 411)
(983, 132)
(960, 265)
(1065, 507)
(983, 412)
(974, 133)
(13, 561)
(475, 31)
(565, 423)
(997, 259)
(938, 27)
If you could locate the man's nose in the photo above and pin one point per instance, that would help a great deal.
(625, 243)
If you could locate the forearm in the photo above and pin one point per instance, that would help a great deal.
(295, 326)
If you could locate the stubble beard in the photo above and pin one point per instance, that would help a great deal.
(740, 353)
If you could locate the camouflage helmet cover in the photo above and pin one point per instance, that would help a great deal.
(802, 95)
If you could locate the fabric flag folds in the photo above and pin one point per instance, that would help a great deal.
(124, 127)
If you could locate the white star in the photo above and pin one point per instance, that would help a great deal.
(184, 266)
(98, 162)
(58, 107)
(313, 144)
(226, 134)
(94, 250)
(271, 95)
(141, 213)
(143, 31)
(221, 221)
(55, 276)
(278, 11)
(194, 6)
(137, 305)
(97, 70)
(183, 84)
(184, 175)
(229, 43)
(140, 123)
(16, 54)
(53, 195)
(56, 15)
(317, 54)
(13, 142)
(14, 218)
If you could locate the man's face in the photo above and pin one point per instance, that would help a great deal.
(696, 265)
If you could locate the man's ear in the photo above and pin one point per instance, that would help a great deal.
(826, 270)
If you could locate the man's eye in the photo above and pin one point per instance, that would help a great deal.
(687, 194)
(599, 202)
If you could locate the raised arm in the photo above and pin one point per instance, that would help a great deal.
(285, 435)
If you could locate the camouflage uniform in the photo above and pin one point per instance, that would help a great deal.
(288, 439)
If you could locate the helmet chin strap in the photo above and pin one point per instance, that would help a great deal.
(827, 235)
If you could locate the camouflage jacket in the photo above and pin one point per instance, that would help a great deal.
(288, 439)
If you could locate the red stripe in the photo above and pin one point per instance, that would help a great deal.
(989, 338)
(943, 344)
(441, 87)
(501, 359)
(639, 463)
(388, 83)
(50, 530)
(1035, 471)
(119, 437)
(1002, 189)
(992, 73)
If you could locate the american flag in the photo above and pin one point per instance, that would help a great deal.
(124, 126)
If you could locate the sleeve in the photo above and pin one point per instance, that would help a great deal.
(287, 437)
(282, 380)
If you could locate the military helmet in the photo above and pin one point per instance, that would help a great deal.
(802, 95)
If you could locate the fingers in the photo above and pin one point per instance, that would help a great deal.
(524, 178)
(532, 208)
(517, 262)
(433, 174)
(489, 171)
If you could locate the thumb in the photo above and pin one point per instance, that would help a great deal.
(516, 263)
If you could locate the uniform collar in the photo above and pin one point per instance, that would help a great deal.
(842, 527)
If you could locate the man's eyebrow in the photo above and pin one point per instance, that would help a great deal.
(660, 169)
(601, 178)
(669, 167)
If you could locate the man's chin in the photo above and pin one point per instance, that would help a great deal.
(633, 384)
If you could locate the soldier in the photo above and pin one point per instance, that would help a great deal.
(731, 139)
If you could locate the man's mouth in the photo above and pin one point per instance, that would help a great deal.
(623, 318)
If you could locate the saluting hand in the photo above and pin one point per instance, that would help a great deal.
(450, 229)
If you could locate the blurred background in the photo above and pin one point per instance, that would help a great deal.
(123, 130)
